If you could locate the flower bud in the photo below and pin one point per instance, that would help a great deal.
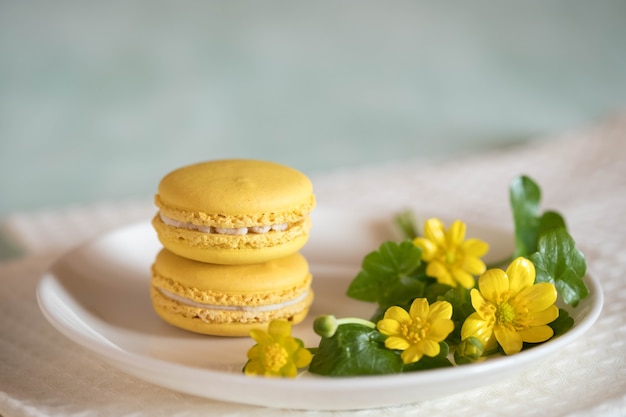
(468, 351)
(325, 325)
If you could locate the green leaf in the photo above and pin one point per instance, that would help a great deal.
(551, 220)
(435, 291)
(559, 262)
(525, 197)
(562, 324)
(355, 349)
(407, 224)
(426, 362)
(389, 276)
(462, 307)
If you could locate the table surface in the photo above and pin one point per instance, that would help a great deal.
(98, 101)
(581, 173)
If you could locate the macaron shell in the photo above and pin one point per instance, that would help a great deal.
(251, 285)
(283, 283)
(232, 249)
(235, 193)
(223, 323)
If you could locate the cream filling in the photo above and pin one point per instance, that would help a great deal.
(268, 307)
(240, 231)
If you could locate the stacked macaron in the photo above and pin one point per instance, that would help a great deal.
(232, 231)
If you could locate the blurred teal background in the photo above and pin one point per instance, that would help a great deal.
(98, 100)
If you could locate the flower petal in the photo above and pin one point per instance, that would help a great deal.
(429, 248)
(254, 352)
(419, 308)
(492, 284)
(398, 314)
(484, 309)
(521, 273)
(462, 277)
(438, 270)
(546, 316)
(388, 327)
(539, 296)
(429, 347)
(475, 326)
(490, 345)
(536, 334)
(440, 310)
(254, 368)
(510, 340)
(475, 247)
(473, 265)
(434, 230)
(398, 343)
(440, 329)
(412, 354)
(289, 370)
(261, 337)
(279, 328)
(290, 345)
(302, 358)
(456, 233)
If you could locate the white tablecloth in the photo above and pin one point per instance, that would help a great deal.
(582, 175)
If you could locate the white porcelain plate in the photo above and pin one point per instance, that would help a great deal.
(98, 296)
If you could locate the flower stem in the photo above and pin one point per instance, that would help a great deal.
(356, 320)
(326, 325)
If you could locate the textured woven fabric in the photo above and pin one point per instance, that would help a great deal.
(582, 175)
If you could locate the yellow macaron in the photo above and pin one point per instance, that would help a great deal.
(229, 300)
(234, 211)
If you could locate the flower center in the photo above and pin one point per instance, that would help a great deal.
(450, 257)
(506, 313)
(415, 330)
(275, 357)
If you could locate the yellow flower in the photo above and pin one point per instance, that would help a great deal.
(451, 259)
(276, 352)
(511, 308)
(418, 331)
